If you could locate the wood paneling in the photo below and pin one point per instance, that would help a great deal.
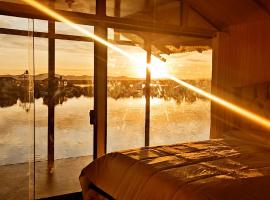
(241, 57)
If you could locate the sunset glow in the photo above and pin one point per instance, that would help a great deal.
(157, 67)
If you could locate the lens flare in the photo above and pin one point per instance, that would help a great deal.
(241, 111)
(157, 68)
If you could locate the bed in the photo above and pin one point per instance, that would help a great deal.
(237, 166)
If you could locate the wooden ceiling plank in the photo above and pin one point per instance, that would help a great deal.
(207, 19)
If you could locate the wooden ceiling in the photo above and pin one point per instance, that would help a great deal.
(224, 13)
(202, 15)
(219, 13)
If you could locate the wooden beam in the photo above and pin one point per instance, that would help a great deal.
(20, 10)
(117, 8)
(209, 21)
(61, 36)
(147, 95)
(100, 85)
(51, 92)
(117, 13)
(181, 13)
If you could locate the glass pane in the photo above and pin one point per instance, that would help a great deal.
(13, 22)
(177, 113)
(41, 25)
(73, 135)
(41, 111)
(41, 115)
(20, 23)
(74, 100)
(62, 28)
(126, 101)
(17, 116)
(74, 68)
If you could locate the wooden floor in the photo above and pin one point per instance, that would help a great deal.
(16, 181)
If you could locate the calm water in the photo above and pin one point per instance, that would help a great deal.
(170, 123)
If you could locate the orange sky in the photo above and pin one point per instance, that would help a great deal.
(76, 58)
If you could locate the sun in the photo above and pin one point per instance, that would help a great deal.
(158, 69)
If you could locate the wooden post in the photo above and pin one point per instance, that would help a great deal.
(147, 96)
(51, 91)
(100, 85)
(117, 13)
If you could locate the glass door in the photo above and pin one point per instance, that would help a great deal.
(17, 110)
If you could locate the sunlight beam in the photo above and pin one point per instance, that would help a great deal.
(87, 33)
(241, 111)
(237, 109)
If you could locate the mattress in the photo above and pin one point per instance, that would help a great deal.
(213, 169)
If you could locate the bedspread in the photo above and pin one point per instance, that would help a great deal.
(212, 169)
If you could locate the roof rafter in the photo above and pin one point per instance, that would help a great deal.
(203, 16)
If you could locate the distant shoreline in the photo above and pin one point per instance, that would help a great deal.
(44, 76)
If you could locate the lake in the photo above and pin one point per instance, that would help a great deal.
(171, 122)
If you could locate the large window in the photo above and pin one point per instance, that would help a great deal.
(177, 114)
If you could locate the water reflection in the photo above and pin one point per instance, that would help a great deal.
(13, 89)
(177, 115)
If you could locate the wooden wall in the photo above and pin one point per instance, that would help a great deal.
(241, 56)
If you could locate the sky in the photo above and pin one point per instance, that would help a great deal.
(76, 58)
